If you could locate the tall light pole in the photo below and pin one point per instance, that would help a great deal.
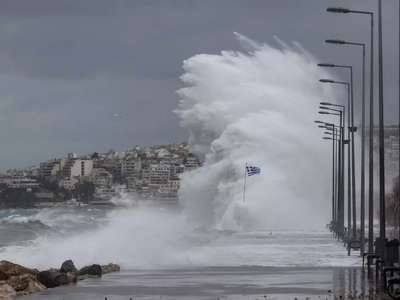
(334, 139)
(341, 181)
(333, 172)
(336, 173)
(371, 126)
(382, 214)
(353, 177)
(362, 206)
(343, 108)
(339, 112)
(348, 136)
(348, 148)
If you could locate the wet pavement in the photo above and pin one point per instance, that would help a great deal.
(220, 283)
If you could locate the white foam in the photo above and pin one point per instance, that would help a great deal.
(257, 108)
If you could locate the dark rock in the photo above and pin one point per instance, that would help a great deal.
(3, 276)
(91, 270)
(52, 279)
(68, 266)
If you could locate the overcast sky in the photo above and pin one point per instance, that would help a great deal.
(66, 66)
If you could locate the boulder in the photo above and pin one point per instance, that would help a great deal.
(34, 287)
(110, 268)
(21, 282)
(72, 276)
(68, 266)
(26, 283)
(8, 269)
(91, 270)
(7, 292)
(52, 279)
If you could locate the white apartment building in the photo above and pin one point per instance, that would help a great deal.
(49, 169)
(131, 167)
(26, 183)
(100, 177)
(159, 173)
(104, 192)
(68, 183)
(191, 162)
(6, 179)
(77, 168)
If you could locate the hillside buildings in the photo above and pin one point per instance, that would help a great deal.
(152, 172)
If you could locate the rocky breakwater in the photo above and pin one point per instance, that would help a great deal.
(17, 281)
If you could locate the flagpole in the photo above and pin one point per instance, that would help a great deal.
(244, 188)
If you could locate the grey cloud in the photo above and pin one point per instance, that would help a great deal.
(67, 66)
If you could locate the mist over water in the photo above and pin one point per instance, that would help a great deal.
(141, 237)
(256, 107)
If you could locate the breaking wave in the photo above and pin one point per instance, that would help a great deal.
(257, 108)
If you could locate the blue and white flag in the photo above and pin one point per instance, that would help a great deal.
(253, 171)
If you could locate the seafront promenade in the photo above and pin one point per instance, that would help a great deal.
(219, 283)
(303, 264)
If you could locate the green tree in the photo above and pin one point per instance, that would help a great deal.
(16, 198)
(84, 191)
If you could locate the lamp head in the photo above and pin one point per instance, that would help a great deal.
(326, 65)
(327, 80)
(338, 10)
(323, 112)
(323, 107)
(335, 42)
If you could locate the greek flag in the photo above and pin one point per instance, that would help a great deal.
(253, 171)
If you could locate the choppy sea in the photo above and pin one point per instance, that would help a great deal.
(157, 238)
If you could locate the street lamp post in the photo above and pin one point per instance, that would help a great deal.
(334, 207)
(336, 133)
(334, 129)
(351, 130)
(333, 174)
(371, 126)
(362, 206)
(382, 219)
(341, 180)
(340, 112)
(336, 173)
(348, 148)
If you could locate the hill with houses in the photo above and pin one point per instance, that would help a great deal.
(148, 173)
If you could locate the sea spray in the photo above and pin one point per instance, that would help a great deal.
(141, 238)
(258, 108)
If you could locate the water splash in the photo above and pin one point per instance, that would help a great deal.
(134, 238)
(258, 108)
